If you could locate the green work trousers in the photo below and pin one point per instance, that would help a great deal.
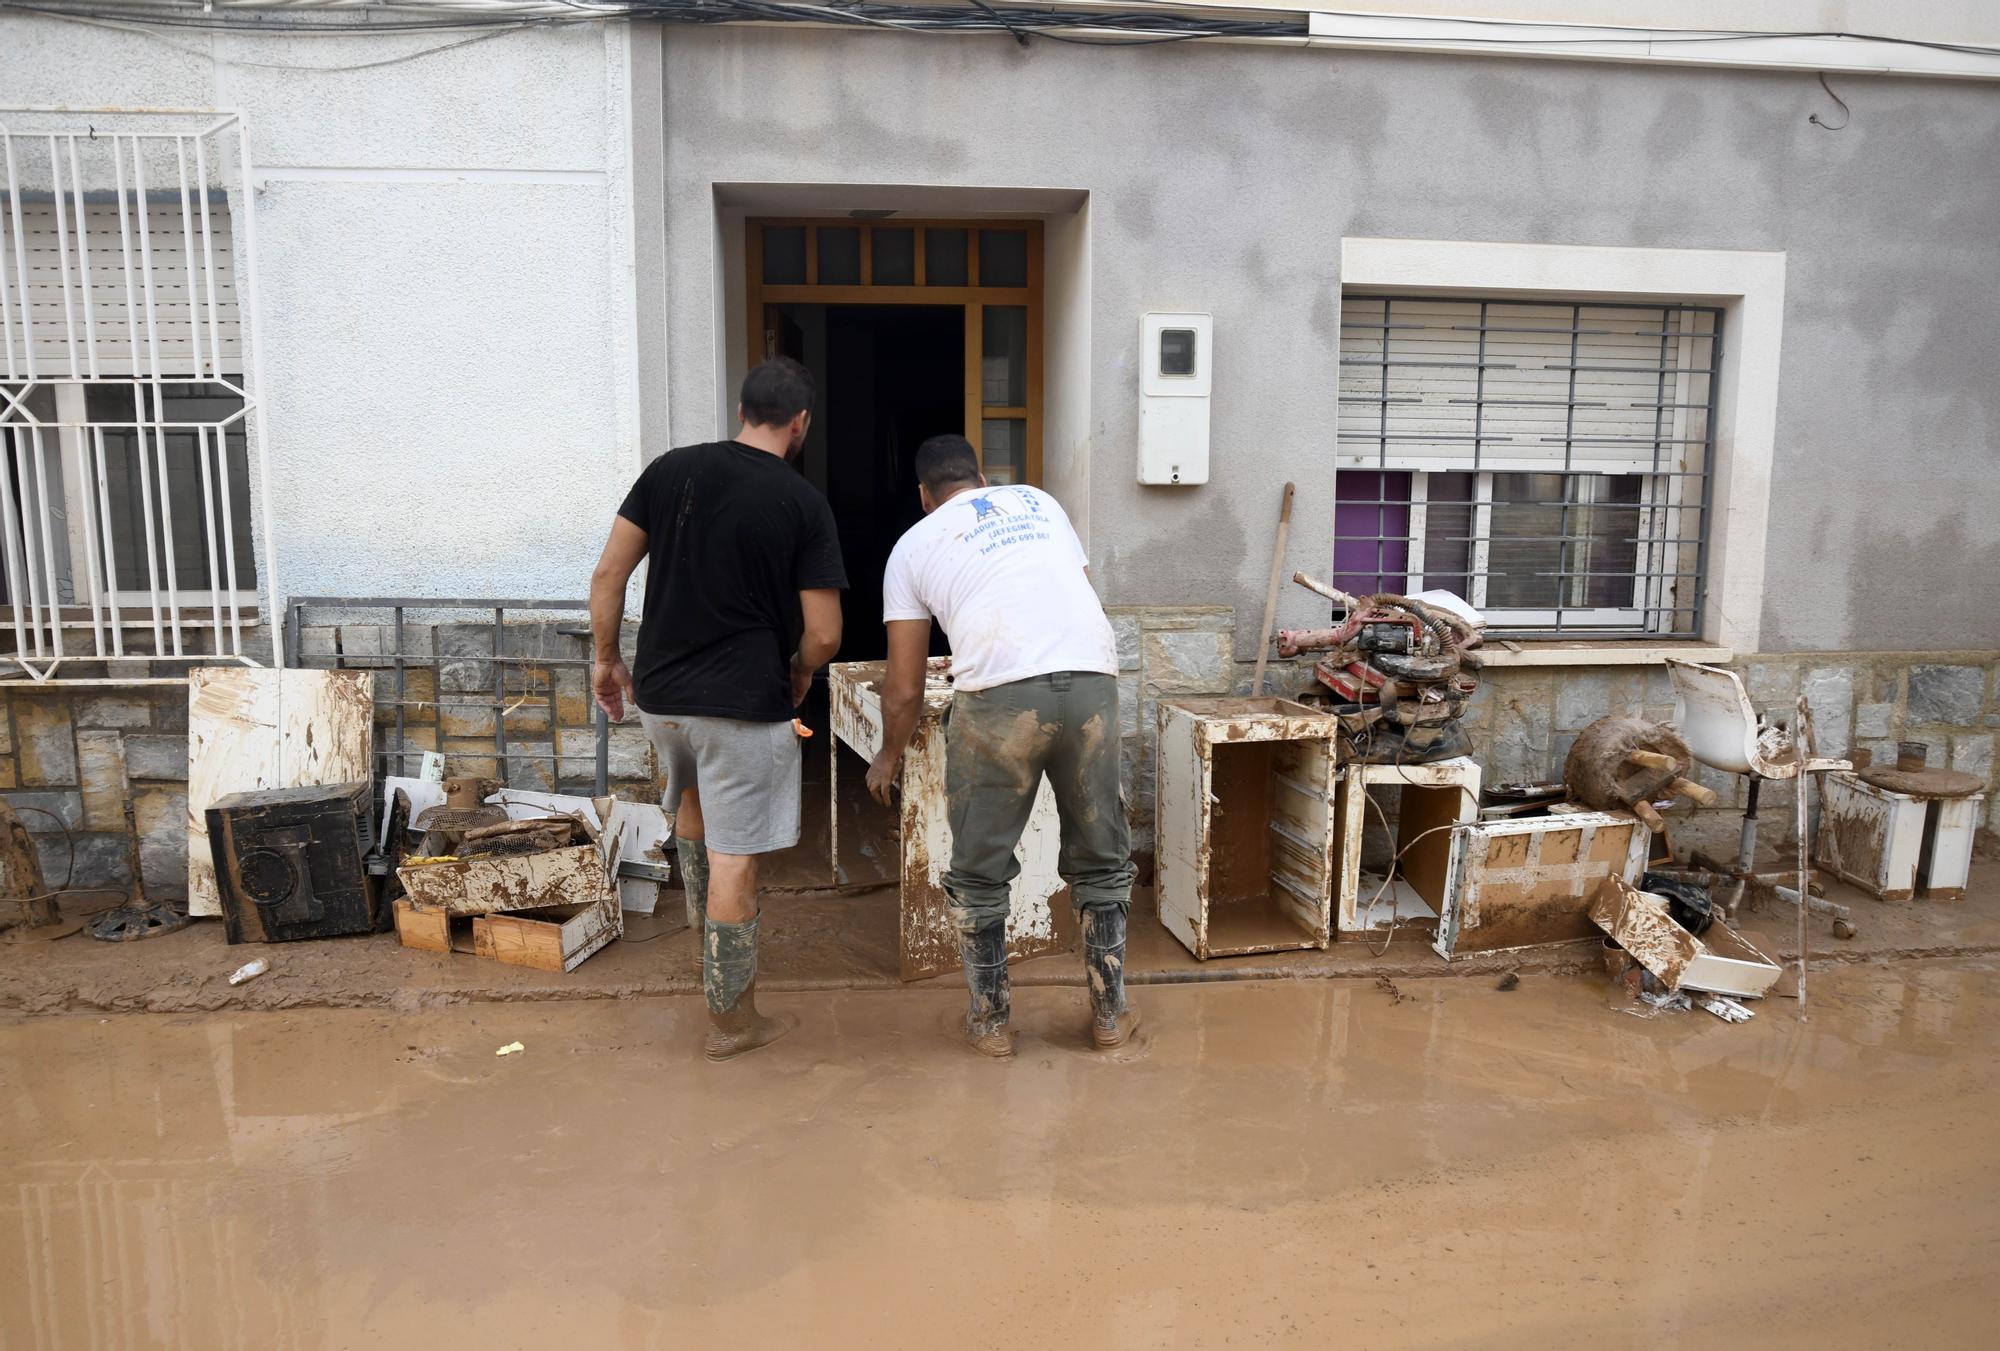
(999, 743)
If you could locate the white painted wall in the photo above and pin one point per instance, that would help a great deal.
(446, 287)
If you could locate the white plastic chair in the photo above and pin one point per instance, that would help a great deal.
(1721, 727)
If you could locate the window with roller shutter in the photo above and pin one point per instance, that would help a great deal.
(126, 494)
(1548, 460)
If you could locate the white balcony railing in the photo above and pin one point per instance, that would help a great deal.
(128, 416)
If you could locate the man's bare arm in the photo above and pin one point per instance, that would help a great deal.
(610, 681)
(820, 640)
(902, 700)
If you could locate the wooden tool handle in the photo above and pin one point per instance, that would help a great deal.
(1652, 759)
(1271, 591)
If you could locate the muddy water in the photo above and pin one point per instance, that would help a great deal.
(1330, 1162)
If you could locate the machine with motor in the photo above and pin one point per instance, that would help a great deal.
(1397, 673)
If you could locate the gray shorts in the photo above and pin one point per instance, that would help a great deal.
(746, 774)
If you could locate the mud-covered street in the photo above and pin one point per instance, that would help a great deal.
(1423, 1162)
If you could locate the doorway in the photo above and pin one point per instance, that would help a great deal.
(910, 328)
(888, 379)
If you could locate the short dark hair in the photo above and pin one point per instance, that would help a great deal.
(945, 460)
(775, 392)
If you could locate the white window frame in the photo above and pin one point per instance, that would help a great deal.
(1623, 618)
(1749, 287)
(73, 421)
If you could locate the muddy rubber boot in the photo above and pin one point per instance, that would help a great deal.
(984, 956)
(729, 983)
(1112, 1020)
(693, 856)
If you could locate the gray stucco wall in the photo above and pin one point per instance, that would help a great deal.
(1223, 178)
(446, 279)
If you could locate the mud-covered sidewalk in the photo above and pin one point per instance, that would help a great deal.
(821, 940)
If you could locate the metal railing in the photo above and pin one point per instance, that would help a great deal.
(128, 410)
(485, 684)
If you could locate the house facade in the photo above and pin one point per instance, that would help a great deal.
(1645, 347)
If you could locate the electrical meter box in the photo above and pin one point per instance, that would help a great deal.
(1176, 362)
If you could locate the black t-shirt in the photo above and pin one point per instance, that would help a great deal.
(736, 535)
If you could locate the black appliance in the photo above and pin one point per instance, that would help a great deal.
(289, 863)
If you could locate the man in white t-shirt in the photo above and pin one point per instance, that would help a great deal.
(1035, 691)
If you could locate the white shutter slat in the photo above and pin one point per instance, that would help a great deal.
(180, 291)
(1535, 396)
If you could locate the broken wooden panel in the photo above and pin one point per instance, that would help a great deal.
(1244, 825)
(1430, 802)
(557, 939)
(486, 886)
(1721, 961)
(1528, 882)
(252, 728)
(424, 930)
(1037, 922)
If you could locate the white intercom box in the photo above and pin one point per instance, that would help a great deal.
(1176, 362)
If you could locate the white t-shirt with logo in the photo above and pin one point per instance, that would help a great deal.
(1002, 570)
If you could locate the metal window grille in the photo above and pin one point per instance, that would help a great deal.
(1547, 460)
(126, 414)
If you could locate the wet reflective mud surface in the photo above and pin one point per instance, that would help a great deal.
(1424, 1163)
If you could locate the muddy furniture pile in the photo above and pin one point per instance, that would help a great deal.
(540, 891)
(1356, 809)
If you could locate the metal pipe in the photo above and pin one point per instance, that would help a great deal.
(1320, 588)
(44, 519)
(187, 260)
(10, 512)
(85, 481)
(62, 262)
(208, 274)
(603, 728)
(6, 288)
(251, 320)
(500, 697)
(1799, 826)
(158, 404)
(1817, 904)
(215, 581)
(110, 549)
(146, 513)
(229, 540)
(20, 265)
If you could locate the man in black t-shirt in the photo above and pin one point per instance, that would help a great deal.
(743, 584)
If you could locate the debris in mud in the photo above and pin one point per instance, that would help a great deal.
(547, 898)
(1660, 1001)
(1621, 763)
(1390, 988)
(249, 971)
(1843, 929)
(511, 1048)
(1720, 961)
(1510, 981)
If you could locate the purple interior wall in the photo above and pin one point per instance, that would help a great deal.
(1368, 503)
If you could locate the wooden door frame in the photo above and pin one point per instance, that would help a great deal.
(971, 300)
